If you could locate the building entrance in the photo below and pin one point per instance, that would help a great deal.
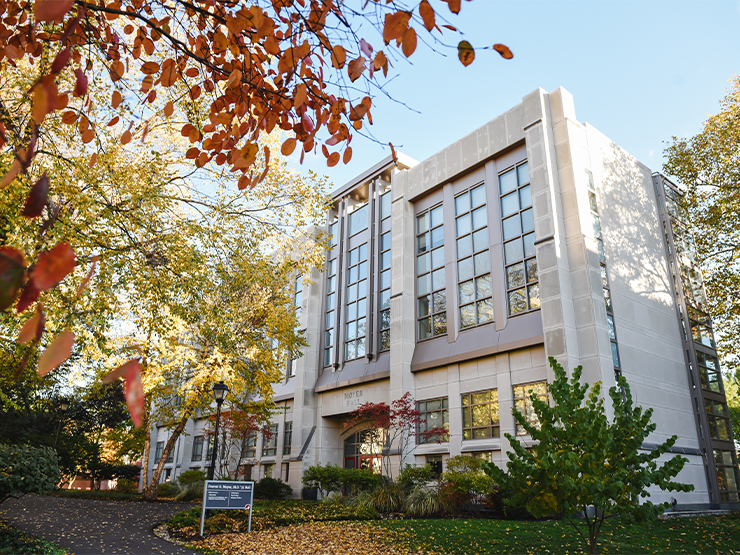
(363, 450)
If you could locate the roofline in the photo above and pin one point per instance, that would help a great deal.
(405, 162)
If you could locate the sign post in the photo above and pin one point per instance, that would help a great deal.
(225, 494)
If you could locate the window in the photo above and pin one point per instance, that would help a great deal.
(298, 301)
(709, 373)
(331, 302)
(435, 462)
(486, 456)
(480, 415)
(384, 297)
(363, 450)
(286, 472)
(430, 271)
(159, 451)
(523, 403)
(434, 413)
(719, 420)
(287, 438)
(385, 204)
(358, 220)
(171, 456)
(249, 445)
(268, 470)
(334, 233)
(197, 453)
(728, 475)
(246, 472)
(701, 327)
(522, 287)
(473, 258)
(269, 446)
(355, 329)
(209, 452)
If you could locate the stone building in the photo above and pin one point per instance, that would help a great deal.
(456, 277)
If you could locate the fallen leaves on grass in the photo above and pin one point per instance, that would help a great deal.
(309, 539)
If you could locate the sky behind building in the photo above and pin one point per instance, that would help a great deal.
(640, 71)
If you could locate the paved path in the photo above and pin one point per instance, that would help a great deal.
(95, 527)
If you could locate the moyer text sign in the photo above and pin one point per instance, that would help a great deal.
(225, 494)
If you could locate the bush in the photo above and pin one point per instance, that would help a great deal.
(413, 477)
(126, 485)
(191, 477)
(355, 480)
(326, 479)
(167, 489)
(272, 489)
(25, 469)
(465, 483)
(387, 497)
(191, 492)
(423, 502)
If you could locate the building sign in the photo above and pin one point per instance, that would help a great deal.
(225, 494)
(353, 399)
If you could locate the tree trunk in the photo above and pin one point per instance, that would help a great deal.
(147, 447)
(150, 493)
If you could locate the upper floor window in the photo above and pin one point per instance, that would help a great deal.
(249, 445)
(159, 451)
(197, 453)
(523, 403)
(354, 340)
(384, 287)
(433, 414)
(473, 258)
(430, 270)
(709, 373)
(287, 438)
(331, 301)
(269, 446)
(334, 233)
(480, 415)
(385, 205)
(522, 285)
(358, 220)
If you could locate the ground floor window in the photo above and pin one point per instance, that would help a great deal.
(363, 450)
(268, 470)
(435, 462)
(486, 456)
(523, 403)
(286, 472)
(727, 475)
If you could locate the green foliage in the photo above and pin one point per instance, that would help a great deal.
(355, 480)
(167, 489)
(332, 478)
(25, 469)
(423, 502)
(387, 497)
(190, 477)
(16, 542)
(412, 477)
(465, 483)
(580, 460)
(191, 484)
(126, 485)
(272, 489)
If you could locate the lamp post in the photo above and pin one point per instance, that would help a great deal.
(63, 406)
(219, 393)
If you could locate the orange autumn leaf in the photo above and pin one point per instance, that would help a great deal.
(169, 109)
(454, 5)
(53, 266)
(409, 42)
(338, 56)
(355, 68)
(116, 99)
(504, 51)
(126, 137)
(465, 52)
(33, 328)
(395, 25)
(56, 353)
(427, 14)
(288, 147)
(51, 10)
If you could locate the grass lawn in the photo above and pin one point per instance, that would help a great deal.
(719, 534)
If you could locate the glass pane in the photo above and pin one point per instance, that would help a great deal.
(512, 227)
(422, 263)
(478, 196)
(592, 201)
(328, 356)
(534, 296)
(525, 197)
(424, 305)
(422, 223)
(466, 415)
(349, 350)
(529, 248)
(467, 292)
(351, 311)
(361, 324)
(523, 172)
(331, 284)
(517, 302)
(438, 279)
(425, 328)
(385, 205)
(513, 251)
(328, 338)
(507, 182)
(385, 279)
(509, 204)
(333, 232)
(385, 260)
(330, 301)
(466, 400)
(438, 257)
(610, 320)
(385, 319)
(438, 236)
(481, 433)
(462, 204)
(360, 346)
(362, 289)
(615, 355)
(483, 286)
(596, 223)
(463, 225)
(515, 276)
(329, 320)
(440, 323)
(424, 284)
(361, 309)
(440, 301)
(422, 243)
(331, 269)
(480, 240)
(351, 330)
(385, 339)
(353, 257)
(607, 300)
(465, 269)
(385, 241)
(485, 311)
(482, 263)
(480, 217)
(532, 270)
(363, 252)
(358, 220)
(465, 246)
(481, 414)
(600, 248)
(467, 316)
(527, 220)
(604, 278)
(352, 274)
(434, 405)
(437, 216)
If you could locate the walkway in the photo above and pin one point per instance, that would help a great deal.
(95, 527)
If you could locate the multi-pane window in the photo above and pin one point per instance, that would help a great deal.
(249, 445)
(197, 453)
(480, 415)
(522, 286)
(159, 451)
(287, 438)
(434, 413)
(701, 327)
(269, 446)
(384, 287)
(473, 258)
(486, 456)
(523, 403)
(430, 271)
(298, 301)
(268, 470)
(171, 456)
(355, 328)
(728, 475)
(331, 304)
(719, 419)
(709, 373)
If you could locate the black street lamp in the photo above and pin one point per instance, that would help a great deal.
(63, 406)
(219, 393)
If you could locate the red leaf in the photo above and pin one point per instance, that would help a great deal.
(504, 51)
(12, 271)
(80, 83)
(121, 371)
(365, 48)
(51, 10)
(427, 14)
(53, 266)
(355, 69)
(33, 328)
(307, 122)
(61, 60)
(56, 353)
(28, 296)
(465, 52)
(133, 390)
(37, 198)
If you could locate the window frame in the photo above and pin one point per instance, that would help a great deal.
(197, 452)
(434, 315)
(269, 447)
(444, 412)
(494, 427)
(287, 437)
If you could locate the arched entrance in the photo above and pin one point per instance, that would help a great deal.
(363, 450)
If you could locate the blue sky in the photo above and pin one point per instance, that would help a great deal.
(640, 72)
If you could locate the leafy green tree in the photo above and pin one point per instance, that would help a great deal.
(25, 469)
(708, 164)
(583, 463)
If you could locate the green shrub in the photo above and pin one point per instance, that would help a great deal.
(465, 483)
(191, 492)
(355, 480)
(423, 502)
(16, 542)
(25, 469)
(272, 489)
(126, 485)
(326, 479)
(413, 477)
(191, 477)
(167, 489)
(388, 497)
